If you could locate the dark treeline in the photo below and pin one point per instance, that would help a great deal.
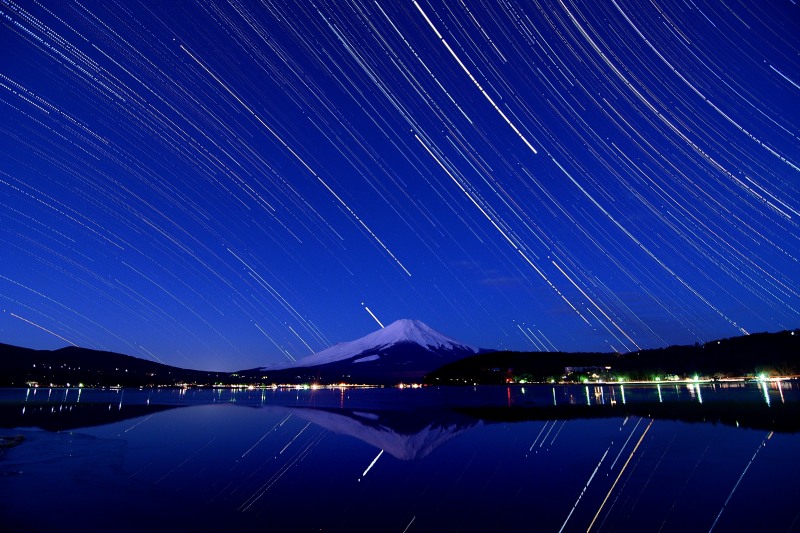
(772, 354)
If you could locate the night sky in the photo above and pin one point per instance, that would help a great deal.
(226, 184)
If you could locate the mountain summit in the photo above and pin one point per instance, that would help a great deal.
(403, 349)
(404, 331)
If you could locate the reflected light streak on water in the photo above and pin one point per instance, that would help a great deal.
(371, 465)
(738, 481)
(538, 435)
(591, 477)
(622, 470)
(294, 438)
(265, 435)
(463, 449)
(622, 449)
(564, 423)
(142, 421)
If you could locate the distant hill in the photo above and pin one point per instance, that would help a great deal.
(774, 354)
(410, 351)
(405, 350)
(92, 368)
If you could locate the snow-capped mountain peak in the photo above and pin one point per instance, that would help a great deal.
(414, 331)
(398, 332)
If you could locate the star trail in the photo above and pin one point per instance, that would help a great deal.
(226, 184)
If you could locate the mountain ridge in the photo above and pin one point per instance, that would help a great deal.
(776, 354)
(366, 349)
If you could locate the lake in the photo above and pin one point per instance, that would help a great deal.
(668, 457)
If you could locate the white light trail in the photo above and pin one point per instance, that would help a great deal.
(583, 491)
(476, 82)
(736, 486)
(42, 328)
(539, 435)
(373, 315)
(297, 157)
(371, 465)
(622, 471)
(294, 438)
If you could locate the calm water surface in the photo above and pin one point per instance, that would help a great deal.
(539, 458)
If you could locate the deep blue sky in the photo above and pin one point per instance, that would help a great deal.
(227, 184)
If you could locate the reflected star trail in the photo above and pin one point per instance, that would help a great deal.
(227, 184)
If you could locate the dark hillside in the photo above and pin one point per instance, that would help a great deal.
(91, 368)
(772, 354)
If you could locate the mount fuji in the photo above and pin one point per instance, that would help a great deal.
(403, 350)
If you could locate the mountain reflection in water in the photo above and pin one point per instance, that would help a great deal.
(611, 457)
(406, 435)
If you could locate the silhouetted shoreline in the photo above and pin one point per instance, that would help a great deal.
(761, 354)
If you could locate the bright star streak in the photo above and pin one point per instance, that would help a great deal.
(220, 186)
(42, 328)
(372, 315)
(297, 157)
(471, 77)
